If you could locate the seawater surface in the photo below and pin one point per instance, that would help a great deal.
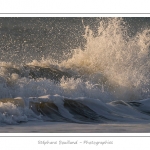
(76, 70)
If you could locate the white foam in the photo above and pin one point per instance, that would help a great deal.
(11, 114)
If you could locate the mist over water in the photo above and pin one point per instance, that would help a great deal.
(104, 59)
(25, 39)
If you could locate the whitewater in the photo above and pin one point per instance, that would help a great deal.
(102, 84)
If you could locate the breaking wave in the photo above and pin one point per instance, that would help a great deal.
(107, 80)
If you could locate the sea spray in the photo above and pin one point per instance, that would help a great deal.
(122, 62)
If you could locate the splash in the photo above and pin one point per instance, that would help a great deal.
(114, 59)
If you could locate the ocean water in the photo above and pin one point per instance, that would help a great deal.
(74, 70)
